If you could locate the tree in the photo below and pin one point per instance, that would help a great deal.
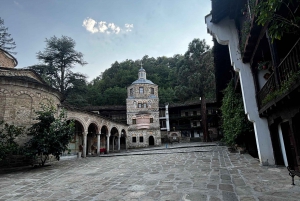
(282, 22)
(50, 135)
(197, 75)
(8, 135)
(58, 58)
(234, 122)
(7, 43)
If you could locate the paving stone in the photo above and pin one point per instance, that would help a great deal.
(212, 198)
(195, 197)
(229, 196)
(247, 199)
(180, 173)
(212, 186)
(226, 187)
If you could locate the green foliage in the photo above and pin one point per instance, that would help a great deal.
(196, 73)
(57, 60)
(50, 135)
(180, 78)
(8, 135)
(113, 96)
(288, 22)
(234, 122)
(6, 41)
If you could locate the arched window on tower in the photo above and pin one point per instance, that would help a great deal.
(141, 90)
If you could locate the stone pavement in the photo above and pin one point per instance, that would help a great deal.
(208, 173)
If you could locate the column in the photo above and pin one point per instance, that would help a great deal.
(84, 143)
(226, 34)
(107, 143)
(119, 143)
(113, 142)
(98, 144)
(167, 117)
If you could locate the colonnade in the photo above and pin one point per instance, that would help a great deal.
(98, 143)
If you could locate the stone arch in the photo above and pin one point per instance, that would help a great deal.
(79, 120)
(76, 144)
(103, 138)
(24, 92)
(3, 95)
(21, 111)
(93, 130)
(4, 92)
(123, 137)
(151, 140)
(45, 101)
(113, 141)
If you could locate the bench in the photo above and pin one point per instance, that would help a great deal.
(293, 173)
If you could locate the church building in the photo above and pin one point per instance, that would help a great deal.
(142, 108)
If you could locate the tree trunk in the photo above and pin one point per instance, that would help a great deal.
(204, 118)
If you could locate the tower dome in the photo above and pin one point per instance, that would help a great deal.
(142, 78)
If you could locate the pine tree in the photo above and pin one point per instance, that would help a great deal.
(7, 43)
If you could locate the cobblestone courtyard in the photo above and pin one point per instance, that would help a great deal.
(199, 173)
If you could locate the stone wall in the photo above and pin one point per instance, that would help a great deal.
(6, 60)
(19, 101)
(146, 135)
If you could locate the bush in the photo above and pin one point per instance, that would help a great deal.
(50, 135)
(8, 135)
(234, 122)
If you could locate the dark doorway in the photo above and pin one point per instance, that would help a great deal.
(151, 141)
(289, 147)
(276, 144)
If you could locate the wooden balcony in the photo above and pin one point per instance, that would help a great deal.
(288, 78)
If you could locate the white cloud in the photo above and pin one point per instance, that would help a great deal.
(89, 25)
(103, 27)
(128, 27)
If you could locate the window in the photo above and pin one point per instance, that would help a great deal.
(145, 105)
(162, 113)
(140, 105)
(152, 90)
(133, 139)
(151, 120)
(133, 121)
(194, 123)
(131, 92)
(141, 139)
(186, 114)
(141, 90)
(194, 113)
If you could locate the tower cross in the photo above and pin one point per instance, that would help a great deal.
(141, 64)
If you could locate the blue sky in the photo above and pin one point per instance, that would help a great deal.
(106, 31)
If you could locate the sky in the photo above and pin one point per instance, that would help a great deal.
(105, 31)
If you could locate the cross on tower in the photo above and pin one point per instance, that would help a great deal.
(141, 64)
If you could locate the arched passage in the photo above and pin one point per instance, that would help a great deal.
(151, 141)
(91, 147)
(114, 139)
(123, 139)
(103, 139)
(76, 143)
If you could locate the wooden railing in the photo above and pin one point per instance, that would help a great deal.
(288, 67)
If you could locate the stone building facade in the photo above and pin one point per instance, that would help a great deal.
(21, 93)
(7, 60)
(142, 108)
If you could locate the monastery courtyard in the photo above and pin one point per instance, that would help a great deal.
(184, 172)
